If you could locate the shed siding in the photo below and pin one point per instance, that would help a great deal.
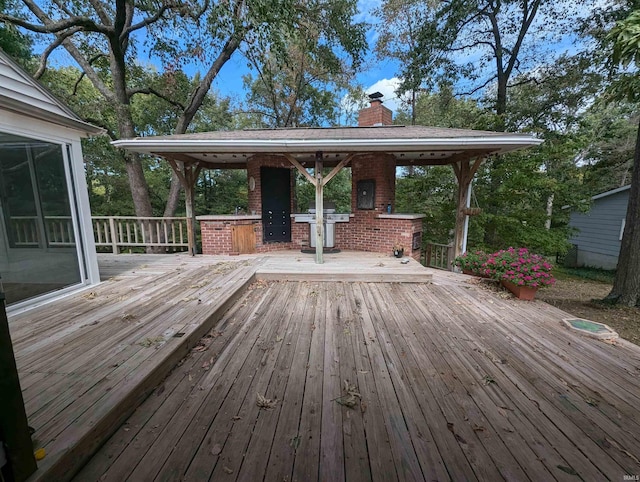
(599, 229)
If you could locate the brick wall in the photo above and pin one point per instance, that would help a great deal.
(382, 169)
(216, 236)
(375, 115)
(369, 233)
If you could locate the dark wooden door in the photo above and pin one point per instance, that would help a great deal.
(276, 204)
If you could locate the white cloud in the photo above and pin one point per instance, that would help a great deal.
(387, 87)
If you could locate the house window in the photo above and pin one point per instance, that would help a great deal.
(38, 252)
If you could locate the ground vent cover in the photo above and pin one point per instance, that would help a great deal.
(590, 328)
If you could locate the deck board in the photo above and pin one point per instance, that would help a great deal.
(455, 384)
(87, 360)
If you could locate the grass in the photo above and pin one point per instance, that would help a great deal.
(593, 274)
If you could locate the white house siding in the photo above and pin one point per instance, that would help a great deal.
(27, 110)
(17, 86)
(598, 239)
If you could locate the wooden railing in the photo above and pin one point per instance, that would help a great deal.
(26, 231)
(131, 231)
(439, 256)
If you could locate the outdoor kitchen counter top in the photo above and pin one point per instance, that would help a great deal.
(401, 216)
(228, 217)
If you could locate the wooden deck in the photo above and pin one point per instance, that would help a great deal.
(88, 360)
(377, 381)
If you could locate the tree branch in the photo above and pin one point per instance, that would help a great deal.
(101, 12)
(77, 84)
(83, 23)
(60, 38)
(147, 21)
(480, 87)
(151, 91)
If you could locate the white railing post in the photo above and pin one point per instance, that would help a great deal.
(113, 235)
(118, 232)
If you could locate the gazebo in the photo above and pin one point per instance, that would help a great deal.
(373, 150)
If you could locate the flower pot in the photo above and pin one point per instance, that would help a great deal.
(398, 253)
(527, 293)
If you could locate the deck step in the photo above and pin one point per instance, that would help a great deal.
(75, 445)
(363, 277)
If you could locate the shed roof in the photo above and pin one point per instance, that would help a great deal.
(610, 193)
(411, 145)
(21, 93)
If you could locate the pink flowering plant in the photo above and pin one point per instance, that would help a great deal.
(520, 267)
(471, 261)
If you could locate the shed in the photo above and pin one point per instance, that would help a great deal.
(597, 242)
(46, 239)
(373, 151)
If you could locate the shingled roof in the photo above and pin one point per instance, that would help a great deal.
(411, 145)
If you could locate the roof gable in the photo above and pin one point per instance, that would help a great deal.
(21, 93)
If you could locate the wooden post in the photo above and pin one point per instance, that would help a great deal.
(113, 235)
(14, 431)
(188, 174)
(319, 209)
(464, 171)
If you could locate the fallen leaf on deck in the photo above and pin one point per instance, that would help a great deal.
(216, 449)
(295, 442)
(488, 380)
(478, 428)
(623, 450)
(352, 396)
(568, 470)
(265, 403)
(227, 470)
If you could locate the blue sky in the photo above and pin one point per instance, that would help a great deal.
(380, 74)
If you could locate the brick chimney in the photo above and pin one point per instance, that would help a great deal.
(376, 114)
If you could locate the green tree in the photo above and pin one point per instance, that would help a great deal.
(102, 39)
(12, 41)
(481, 44)
(626, 54)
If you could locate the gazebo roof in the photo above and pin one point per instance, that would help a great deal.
(411, 145)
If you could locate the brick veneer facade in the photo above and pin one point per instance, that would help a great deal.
(367, 230)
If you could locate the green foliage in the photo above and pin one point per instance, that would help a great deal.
(338, 191)
(472, 261)
(13, 41)
(479, 44)
(608, 134)
(594, 274)
(221, 191)
(443, 109)
(429, 190)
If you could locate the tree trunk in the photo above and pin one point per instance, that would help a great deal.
(626, 285)
(173, 197)
(547, 223)
(196, 99)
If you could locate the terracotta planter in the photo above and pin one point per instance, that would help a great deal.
(527, 293)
